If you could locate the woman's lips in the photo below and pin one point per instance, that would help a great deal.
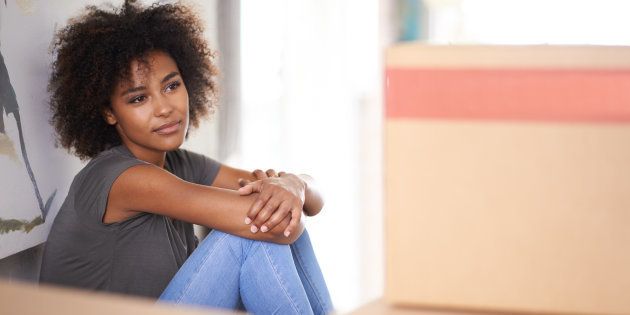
(168, 129)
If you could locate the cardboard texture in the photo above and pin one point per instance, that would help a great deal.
(522, 209)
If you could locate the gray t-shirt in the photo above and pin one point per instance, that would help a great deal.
(138, 256)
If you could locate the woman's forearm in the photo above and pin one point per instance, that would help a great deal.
(154, 190)
(313, 200)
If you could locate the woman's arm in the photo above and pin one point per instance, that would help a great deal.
(228, 177)
(233, 178)
(147, 188)
(313, 201)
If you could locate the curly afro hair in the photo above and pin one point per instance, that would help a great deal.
(94, 52)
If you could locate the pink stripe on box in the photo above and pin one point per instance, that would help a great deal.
(545, 95)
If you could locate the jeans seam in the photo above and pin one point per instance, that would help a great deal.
(277, 276)
(236, 257)
(202, 263)
(308, 278)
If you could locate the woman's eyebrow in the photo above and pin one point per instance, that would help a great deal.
(169, 76)
(142, 87)
(133, 89)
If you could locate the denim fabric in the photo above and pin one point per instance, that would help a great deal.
(231, 272)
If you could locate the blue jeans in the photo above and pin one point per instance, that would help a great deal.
(231, 272)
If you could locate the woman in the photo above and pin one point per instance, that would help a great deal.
(125, 86)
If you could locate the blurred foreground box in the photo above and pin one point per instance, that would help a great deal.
(507, 177)
(32, 299)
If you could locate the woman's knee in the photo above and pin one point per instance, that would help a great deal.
(226, 237)
(236, 245)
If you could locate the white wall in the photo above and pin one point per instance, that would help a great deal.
(600, 22)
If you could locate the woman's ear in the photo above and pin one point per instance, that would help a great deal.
(109, 116)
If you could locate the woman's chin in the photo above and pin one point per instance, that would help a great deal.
(173, 145)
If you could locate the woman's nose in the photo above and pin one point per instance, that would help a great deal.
(162, 106)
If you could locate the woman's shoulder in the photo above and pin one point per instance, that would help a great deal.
(108, 163)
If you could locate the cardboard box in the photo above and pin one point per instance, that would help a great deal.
(507, 177)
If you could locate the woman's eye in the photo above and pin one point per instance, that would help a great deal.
(137, 99)
(173, 86)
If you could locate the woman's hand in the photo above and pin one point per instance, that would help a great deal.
(280, 195)
(259, 175)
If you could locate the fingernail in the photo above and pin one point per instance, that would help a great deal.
(264, 228)
(287, 233)
(254, 229)
(248, 220)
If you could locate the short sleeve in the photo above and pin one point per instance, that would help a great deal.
(209, 170)
(94, 182)
(193, 167)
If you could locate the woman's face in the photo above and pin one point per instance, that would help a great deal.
(150, 110)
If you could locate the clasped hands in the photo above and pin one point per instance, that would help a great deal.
(280, 195)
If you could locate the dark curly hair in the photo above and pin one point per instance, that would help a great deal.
(94, 52)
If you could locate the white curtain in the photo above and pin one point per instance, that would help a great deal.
(311, 104)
